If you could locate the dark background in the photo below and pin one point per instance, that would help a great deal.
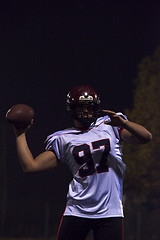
(46, 48)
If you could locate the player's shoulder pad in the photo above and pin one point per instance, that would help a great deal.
(59, 133)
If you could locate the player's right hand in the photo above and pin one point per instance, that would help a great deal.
(19, 131)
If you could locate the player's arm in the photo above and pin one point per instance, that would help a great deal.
(132, 132)
(43, 161)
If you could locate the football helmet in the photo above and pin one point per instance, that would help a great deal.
(83, 97)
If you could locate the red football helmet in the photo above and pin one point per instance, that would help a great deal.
(83, 95)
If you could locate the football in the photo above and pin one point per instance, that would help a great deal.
(20, 115)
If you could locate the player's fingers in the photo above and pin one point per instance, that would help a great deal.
(108, 112)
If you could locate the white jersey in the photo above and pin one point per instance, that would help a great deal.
(95, 160)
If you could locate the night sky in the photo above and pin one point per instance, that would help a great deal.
(47, 47)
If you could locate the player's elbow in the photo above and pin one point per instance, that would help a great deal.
(147, 138)
(29, 168)
(144, 137)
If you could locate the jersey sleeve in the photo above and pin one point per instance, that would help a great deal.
(52, 143)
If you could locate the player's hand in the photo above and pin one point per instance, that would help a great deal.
(19, 131)
(115, 119)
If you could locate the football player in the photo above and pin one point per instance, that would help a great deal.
(92, 149)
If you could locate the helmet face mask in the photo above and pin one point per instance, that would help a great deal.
(84, 110)
(83, 104)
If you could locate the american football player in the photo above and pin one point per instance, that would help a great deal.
(92, 149)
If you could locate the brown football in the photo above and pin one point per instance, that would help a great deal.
(20, 115)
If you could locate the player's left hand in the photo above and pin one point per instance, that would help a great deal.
(115, 119)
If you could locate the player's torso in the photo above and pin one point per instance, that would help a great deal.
(95, 160)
